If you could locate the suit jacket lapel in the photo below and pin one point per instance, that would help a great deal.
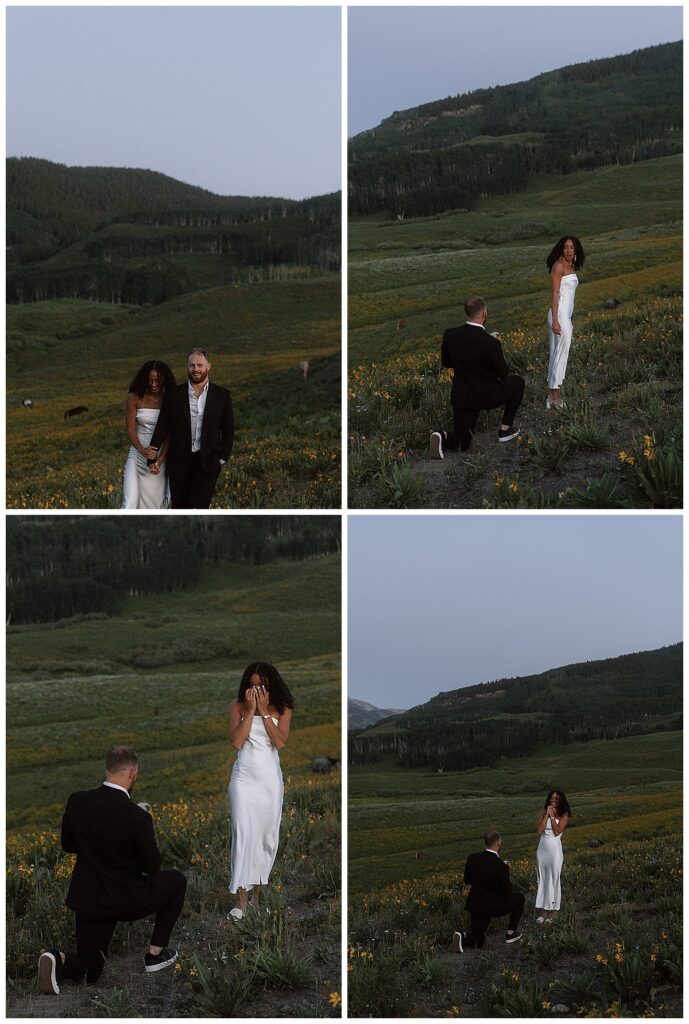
(205, 426)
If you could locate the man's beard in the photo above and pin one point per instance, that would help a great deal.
(201, 380)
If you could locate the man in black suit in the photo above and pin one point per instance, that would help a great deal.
(482, 380)
(491, 895)
(196, 418)
(116, 877)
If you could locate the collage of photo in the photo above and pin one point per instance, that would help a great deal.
(343, 511)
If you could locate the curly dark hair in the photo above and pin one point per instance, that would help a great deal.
(556, 252)
(563, 804)
(278, 691)
(140, 383)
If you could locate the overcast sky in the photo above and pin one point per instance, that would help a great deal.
(400, 57)
(440, 602)
(238, 100)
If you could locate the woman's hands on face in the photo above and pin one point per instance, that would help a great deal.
(262, 699)
(251, 699)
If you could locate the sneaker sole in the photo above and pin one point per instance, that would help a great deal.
(457, 946)
(435, 448)
(160, 967)
(47, 975)
(515, 938)
(503, 440)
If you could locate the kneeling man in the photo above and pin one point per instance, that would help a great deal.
(116, 877)
(490, 896)
(482, 380)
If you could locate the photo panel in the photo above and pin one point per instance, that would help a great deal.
(514, 766)
(173, 766)
(515, 257)
(173, 262)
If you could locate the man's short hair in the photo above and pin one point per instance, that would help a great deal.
(201, 351)
(491, 838)
(475, 305)
(120, 757)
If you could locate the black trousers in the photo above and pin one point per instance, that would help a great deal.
(479, 922)
(95, 935)
(195, 488)
(508, 393)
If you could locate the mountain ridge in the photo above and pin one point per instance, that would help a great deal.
(633, 693)
(427, 159)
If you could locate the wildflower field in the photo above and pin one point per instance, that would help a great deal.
(618, 444)
(616, 947)
(77, 687)
(66, 353)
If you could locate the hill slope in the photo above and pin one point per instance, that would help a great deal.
(479, 725)
(444, 155)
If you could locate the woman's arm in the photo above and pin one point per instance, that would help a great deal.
(240, 727)
(558, 829)
(542, 821)
(555, 278)
(132, 403)
(277, 734)
(160, 458)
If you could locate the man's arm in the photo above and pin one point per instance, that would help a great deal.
(162, 426)
(149, 855)
(444, 353)
(497, 358)
(226, 429)
(67, 839)
(467, 872)
(504, 880)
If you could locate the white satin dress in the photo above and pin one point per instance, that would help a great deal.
(560, 343)
(255, 794)
(549, 858)
(140, 487)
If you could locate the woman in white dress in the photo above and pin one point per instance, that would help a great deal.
(552, 821)
(260, 721)
(146, 486)
(565, 258)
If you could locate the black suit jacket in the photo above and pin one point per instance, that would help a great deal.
(477, 360)
(489, 878)
(116, 855)
(174, 423)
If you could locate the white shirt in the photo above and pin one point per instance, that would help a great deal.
(113, 785)
(197, 407)
(488, 849)
(472, 323)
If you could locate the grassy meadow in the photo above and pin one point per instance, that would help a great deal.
(618, 444)
(66, 353)
(616, 947)
(80, 685)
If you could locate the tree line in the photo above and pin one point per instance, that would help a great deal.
(447, 154)
(69, 565)
(480, 726)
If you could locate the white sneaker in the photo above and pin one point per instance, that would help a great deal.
(236, 914)
(436, 445)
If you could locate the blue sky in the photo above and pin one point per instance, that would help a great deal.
(440, 602)
(400, 57)
(238, 100)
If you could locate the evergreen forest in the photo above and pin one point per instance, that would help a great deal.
(479, 726)
(450, 153)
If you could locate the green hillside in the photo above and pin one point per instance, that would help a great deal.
(615, 949)
(449, 153)
(630, 695)
(160, 673)
(407, 283)
(110, 267)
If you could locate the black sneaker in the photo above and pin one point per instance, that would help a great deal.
(458, 942)
(509, 434)
(436, 445)
(165, 958)
(514, 937)
(50, 972)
